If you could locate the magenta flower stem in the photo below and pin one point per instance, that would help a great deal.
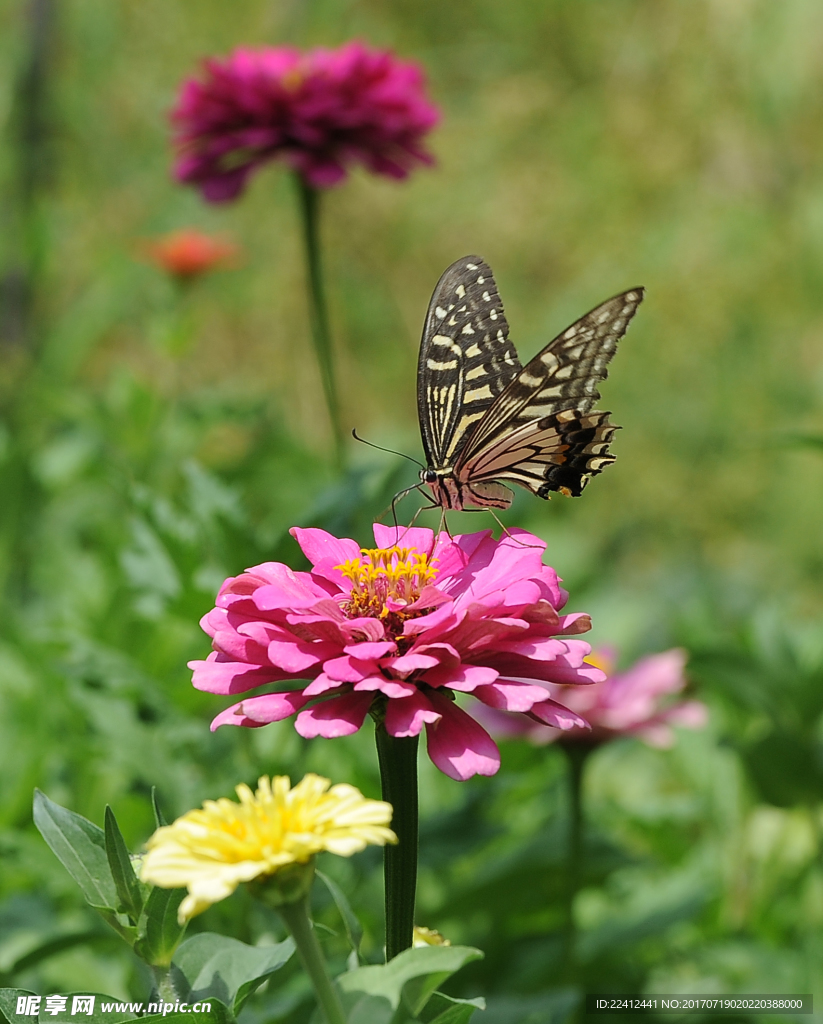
(398, 774)
(318, 310)
(576, 755)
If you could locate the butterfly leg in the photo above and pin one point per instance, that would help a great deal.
(399, 497)
(501, 525)
(509, 535)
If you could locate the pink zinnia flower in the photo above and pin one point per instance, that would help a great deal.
(319, 111)
(399, 632)
(633, 702)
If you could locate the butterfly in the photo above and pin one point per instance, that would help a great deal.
(485, 419)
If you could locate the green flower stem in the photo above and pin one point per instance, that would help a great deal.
(166, 991)
(319, 316)
(576, 754)
(296, 916)
(398, 774)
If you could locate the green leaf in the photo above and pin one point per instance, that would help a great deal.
(80, 847)
(8, 1005)
(58, 944)
(125, 880)
(443, 1009)
(214, 966)
(159, 819)
(363, 1009)
(354, 932)
(412, 976)
(161, 932)
(8, 1009)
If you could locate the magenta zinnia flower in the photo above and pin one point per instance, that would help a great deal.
(319, 111)
(399, 631)
(636, 702)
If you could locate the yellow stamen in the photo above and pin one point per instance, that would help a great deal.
(599, 660)
(382, 575)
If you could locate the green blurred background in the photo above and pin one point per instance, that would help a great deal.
(153, 442)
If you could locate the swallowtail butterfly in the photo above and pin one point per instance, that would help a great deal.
(485, 418)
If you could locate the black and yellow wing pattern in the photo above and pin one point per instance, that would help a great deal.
(485, 418)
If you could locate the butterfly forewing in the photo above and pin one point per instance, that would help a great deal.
(466, 359)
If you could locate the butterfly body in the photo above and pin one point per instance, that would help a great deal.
(486, 420)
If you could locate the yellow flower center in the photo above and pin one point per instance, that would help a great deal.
(385, 578)
(599, 660)
(293, 79)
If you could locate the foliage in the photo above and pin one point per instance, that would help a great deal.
(153, 442)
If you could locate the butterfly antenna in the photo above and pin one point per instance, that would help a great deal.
(380, 448)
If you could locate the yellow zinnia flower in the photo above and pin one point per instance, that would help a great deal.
(210, 851)
(427, 937)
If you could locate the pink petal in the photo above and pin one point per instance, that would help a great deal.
(339, 716)
(417, 537)
(406, 716)
(230, 676)
(349, 670)
(371, 650)
(656, 734)
(454, 554)
(440, 619)
(693, 714)
(512, 560)
(239, 648)
(322, 684)
(577, 622)
(367, 629)
(430, 597)
(255, 629)
(536, 648)
(462, 677)
(273, 707)
(391, 687)
(403, 666)
(475, 634)
(316, 545)
(551, 713)
(297, 656)
(543, 618)
(234, 716)
(256, 711)
(510, 695)
(557, 671)
(457, 744)
(289, 591)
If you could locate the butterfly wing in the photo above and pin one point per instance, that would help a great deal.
(540, 432)
(466, 358)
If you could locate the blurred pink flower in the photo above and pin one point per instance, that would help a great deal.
(319, 111)
(399, 631)
(625, 703)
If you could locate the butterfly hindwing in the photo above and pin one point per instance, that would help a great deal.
(541, 432)
(560, 452)
(466, 358)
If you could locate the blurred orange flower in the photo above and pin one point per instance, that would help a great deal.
(188, 253)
